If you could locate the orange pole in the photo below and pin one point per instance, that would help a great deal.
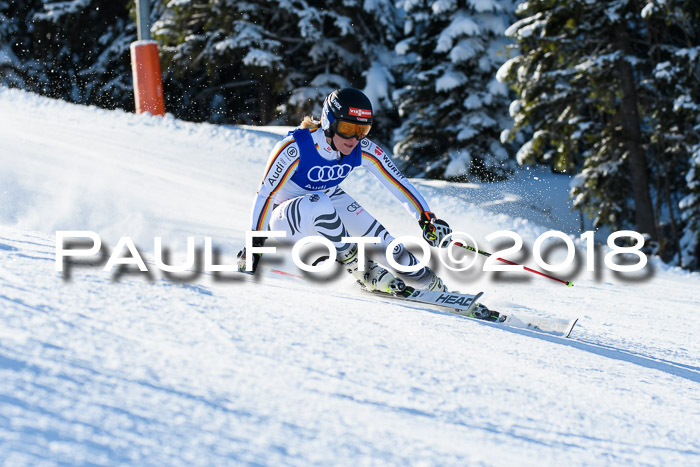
(148, 83)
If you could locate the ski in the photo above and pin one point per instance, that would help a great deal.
(556, 326)
(468, 305)
(459, 303)
(465, 305)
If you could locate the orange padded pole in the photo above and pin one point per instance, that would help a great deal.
(148, 83)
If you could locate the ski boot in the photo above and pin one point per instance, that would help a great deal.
(481, 312)
(437, 284)
(374, 277)
(379, 279)
(428, 280)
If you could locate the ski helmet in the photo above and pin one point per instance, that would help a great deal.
(349, 108)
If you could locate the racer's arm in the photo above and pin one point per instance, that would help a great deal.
(383, 168)
(281, 165)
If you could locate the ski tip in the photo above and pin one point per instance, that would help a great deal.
(571, 327)
(569, 284)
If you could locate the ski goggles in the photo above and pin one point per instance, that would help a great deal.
(349, 130)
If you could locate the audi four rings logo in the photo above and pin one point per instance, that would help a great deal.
(328, 173)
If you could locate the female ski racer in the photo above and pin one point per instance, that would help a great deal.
(300, 193)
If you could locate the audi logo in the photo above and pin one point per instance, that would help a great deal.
(328, 173)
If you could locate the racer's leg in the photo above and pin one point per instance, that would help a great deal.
(360, 223)
(310, 215)
(314, 214)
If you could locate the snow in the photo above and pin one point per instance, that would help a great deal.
(441, 7)
(450, 80)
(473, 101)
(461, 25)
(57, 9)
(379, 83)
(465, 50)
(485, 5)
(648, 10)
(459, 164)
(260, 58)
(103, 370)
(525, 27)
(497, 24)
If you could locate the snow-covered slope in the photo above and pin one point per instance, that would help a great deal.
(106, 370)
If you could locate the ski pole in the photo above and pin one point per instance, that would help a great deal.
(471, 248)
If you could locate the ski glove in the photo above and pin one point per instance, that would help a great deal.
(257, 242)
(434, 229)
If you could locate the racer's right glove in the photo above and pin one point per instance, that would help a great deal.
(257, 242)
(434, 229)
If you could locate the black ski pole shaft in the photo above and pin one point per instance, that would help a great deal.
(471, 248)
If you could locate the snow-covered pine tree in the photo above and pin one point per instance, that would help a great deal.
(222, 56)
(674, 28)
(578, 81)
(17, 66)
(10, 65)
(351, 44)
(255, 58)
(77, 50)
(671, 98)
(690, 208)
(452, 107)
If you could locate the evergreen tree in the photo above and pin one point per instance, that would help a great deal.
(353, 47)
(17, 66)
(671, 96)
(578, 82)
(452, 108)
(73, 50)
(690, 206)
(258, 58)
(674, 98)
(222, 53)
